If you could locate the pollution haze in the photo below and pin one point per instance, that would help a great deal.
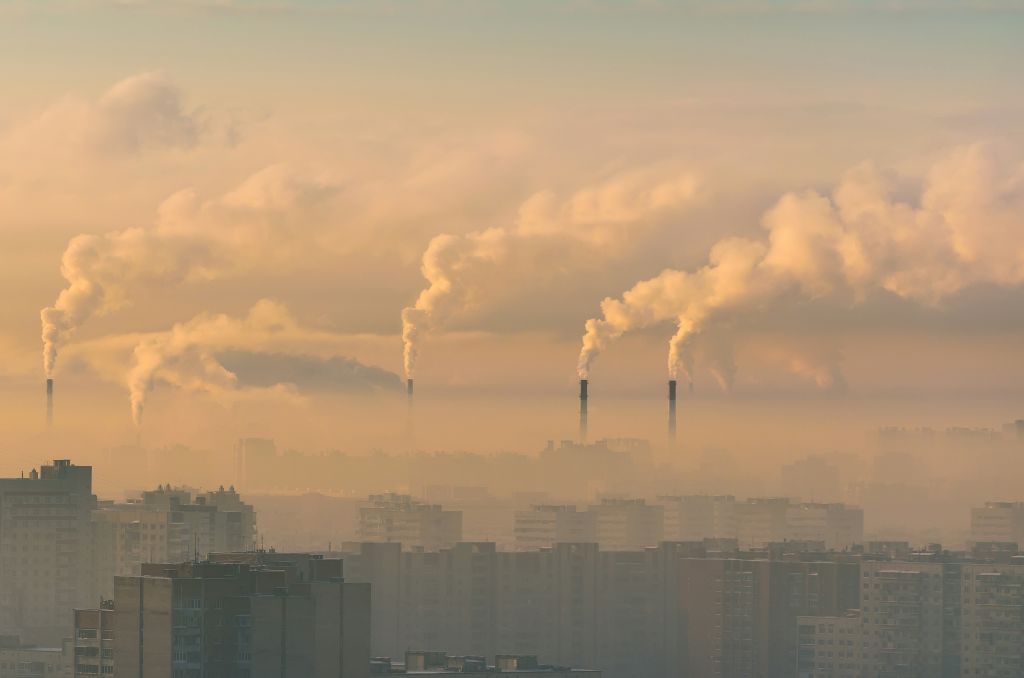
(262, 219)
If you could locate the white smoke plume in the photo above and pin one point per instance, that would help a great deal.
(186, 356)
(966, 228)
(191, 240)
(598, 217)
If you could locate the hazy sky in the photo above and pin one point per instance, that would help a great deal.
(258, 183)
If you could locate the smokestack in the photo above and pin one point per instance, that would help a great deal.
(672, 412)
(408, 387)
(49, 403)
(583, 411)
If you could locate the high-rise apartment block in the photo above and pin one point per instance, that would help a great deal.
(641, 613)
(545, 525)
(400, 518)
(291, 616)
(998, 521)
(167, 525)
(94, 641)
(628, 524)
(46, 550)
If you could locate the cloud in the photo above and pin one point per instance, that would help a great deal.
(965, 229)
(306, 372)
(142, 113)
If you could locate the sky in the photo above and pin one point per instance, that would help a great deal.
(249, 203)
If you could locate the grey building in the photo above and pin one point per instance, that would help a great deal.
(46, 551)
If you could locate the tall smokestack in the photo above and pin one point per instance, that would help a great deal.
(583, 410)
(49, 403)
(408, 387)
(672, 412)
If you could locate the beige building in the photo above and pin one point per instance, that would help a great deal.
(628, 524)
(46, 550)
(32, 661)
(399, 518)
(837, 525)
(94, 642)
(998, 521)
(545, 525)
(699, 517)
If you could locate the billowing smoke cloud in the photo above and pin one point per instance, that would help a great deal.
(966, 228)
(600, 217)
(256, 223)
(223, 355)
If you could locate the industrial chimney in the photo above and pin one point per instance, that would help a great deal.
(49, 403)
(672, 412)
(408, 387)
(583, 411)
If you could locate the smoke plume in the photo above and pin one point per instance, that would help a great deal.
(260, 346)
(966, 228)
(191, 240)
(601, 218)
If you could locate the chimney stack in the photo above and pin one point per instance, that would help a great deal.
(672, 412)
(583, 411)
(49, 403)
(408, 387)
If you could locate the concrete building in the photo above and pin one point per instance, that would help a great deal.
(273, 615)
(699, 517)
(739, 617)
(167, 525)
(400, 518)
(32, 661)
(839, 526)
(432, 663)
(545, 525)
(830, 647)
(46, 550)
(94, 641)
(645, 613)
(628, 524)
(998, 521)
(762, 520)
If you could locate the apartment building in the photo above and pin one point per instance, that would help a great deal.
(544, 525)
(628, 524)
(46, 550)
(399, 518)
(283, 614)
(94, 641)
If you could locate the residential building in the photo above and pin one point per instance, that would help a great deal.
(46, 550)
(998, 521)
(762, 520)
(94, 641)
(628, 524)
(266, 615)
(839, 526)
(699, 517)
(830, 647)
(33, 661)
(545, 525)
(399, 518)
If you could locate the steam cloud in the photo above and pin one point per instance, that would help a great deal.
(598, 216)
(191, 240)
(195, 356)
(967, 228)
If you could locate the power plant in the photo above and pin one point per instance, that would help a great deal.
(583, 410)
(49, 403)
(672, 411)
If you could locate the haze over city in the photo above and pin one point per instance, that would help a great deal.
(484, 257)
